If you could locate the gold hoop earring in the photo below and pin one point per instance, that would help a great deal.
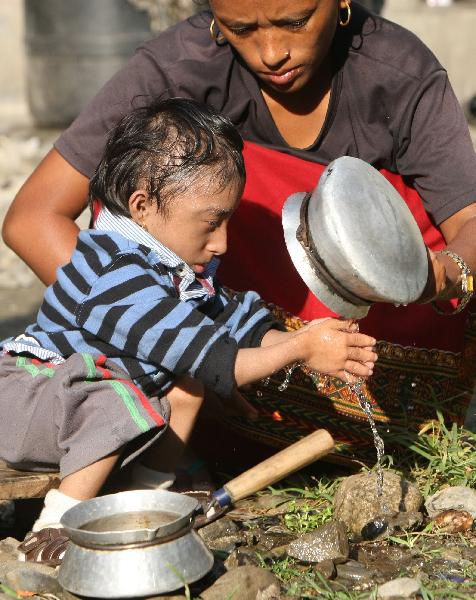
(349, 14)
(217, 36)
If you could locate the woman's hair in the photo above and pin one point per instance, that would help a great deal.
(164, 148)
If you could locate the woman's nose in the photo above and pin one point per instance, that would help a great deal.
(272, 49)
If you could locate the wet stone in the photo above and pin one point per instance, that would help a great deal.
(404, 521)
(326, 568)
(399, 589)
(328, 541)
(387, 561)
(356, 502)
(353, 571)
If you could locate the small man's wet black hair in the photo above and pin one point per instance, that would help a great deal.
(164, 148)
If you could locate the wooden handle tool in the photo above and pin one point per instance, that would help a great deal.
(287, 461)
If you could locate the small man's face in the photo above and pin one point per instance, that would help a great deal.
(194, 223)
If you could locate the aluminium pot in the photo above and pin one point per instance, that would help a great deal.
(130, 544)
(354, 241)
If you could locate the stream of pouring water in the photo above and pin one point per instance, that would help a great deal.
(356, 388)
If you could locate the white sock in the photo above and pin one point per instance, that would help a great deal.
(56, 504)
(150, 479)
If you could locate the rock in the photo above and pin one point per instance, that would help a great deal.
(452, 521)
(269, 540)
(469, 554)
(244, 583)
(328, 541)
(326, 568)
(222, 535)
(7, 513)
(34, 577)
(223, 527)
(242, 557)
(353, 571)
(8, 549)
(456, 497)
(404, 521)
(357, 505)
(397, 589)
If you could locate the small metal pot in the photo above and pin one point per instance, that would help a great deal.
(136, 543)
(354, 241)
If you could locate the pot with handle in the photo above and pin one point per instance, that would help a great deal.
(142, 543)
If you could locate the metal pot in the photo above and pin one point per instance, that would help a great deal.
(354, 241)
(136, 543)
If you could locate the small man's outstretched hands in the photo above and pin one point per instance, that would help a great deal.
(335, 347)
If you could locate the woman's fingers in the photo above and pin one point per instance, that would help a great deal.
(357, 368)
(361, 340)
(362, 355)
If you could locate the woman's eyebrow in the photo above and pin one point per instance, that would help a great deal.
(281, 21)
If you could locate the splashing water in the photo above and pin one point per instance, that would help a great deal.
(288, 372)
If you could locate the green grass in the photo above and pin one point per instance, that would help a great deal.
(440, 456)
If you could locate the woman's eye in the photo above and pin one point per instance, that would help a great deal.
(240, 31)
(212, 224)
(298, 24)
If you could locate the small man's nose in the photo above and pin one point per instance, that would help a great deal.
(219, 242)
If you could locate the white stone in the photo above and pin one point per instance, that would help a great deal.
(456, 497)
(397, 589)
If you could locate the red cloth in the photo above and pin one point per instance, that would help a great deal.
(257, 257)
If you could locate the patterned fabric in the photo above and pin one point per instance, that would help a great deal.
(117, 298)
(408, 386)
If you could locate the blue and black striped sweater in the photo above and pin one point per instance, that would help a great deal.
(116, 297)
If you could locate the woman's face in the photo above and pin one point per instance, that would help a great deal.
(283, 42)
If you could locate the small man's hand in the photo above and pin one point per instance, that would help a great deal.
(336, 347)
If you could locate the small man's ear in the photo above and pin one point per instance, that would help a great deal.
(139, 206)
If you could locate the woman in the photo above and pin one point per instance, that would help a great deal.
(305, 82)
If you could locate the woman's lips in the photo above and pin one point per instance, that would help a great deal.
(283, 79)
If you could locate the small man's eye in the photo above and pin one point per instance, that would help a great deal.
(213, 224)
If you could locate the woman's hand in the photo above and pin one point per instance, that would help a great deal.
(336, 347)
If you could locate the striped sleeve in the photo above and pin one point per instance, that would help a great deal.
(246, 317)
(133, 307)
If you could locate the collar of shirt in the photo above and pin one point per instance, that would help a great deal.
(182, 276)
